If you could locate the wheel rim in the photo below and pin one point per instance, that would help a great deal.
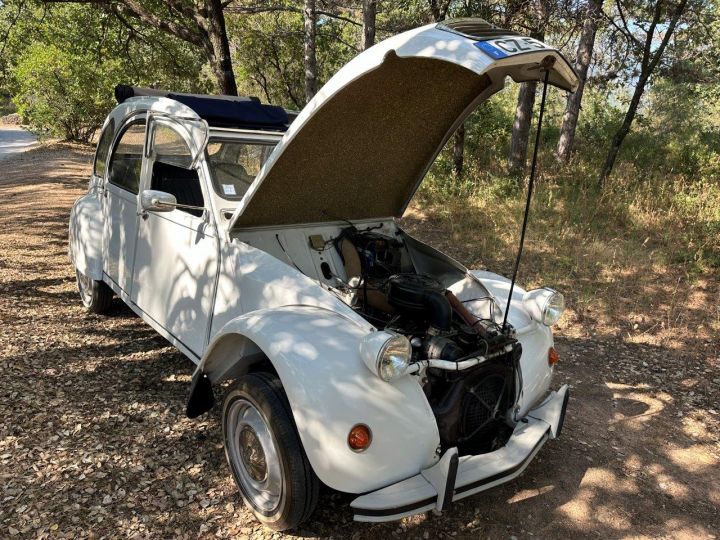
(85, 287)
(253, 456)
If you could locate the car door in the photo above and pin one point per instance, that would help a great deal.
(120, 202)
(177, 250)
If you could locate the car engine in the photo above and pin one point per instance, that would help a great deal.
(470, 404)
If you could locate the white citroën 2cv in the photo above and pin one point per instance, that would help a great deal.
(264, 245)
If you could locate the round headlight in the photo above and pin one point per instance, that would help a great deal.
(386, 354)
(545, 305)
(554, 308)
(394, 358)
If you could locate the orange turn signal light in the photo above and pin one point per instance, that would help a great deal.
(553, 356)
(359, 438)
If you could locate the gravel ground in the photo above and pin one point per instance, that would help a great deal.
(94, 442)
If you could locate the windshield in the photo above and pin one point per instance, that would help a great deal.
(235, 164)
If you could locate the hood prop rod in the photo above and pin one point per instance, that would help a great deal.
(546, 65)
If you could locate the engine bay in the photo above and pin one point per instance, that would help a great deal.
(383, 284)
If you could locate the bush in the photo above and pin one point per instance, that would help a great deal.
(62, 95)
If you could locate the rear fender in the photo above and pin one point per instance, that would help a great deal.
(315, 353)
(86, 236)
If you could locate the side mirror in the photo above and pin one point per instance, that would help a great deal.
(157, 201)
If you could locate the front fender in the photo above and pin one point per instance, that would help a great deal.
(316, 355)
(86, 236)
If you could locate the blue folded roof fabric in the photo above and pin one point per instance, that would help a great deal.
(221, 111)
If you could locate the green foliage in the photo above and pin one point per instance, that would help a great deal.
(60, 94)
(62, 62)
(666, 187)
(269, 52)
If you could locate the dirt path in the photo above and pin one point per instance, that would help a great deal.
(94, 442)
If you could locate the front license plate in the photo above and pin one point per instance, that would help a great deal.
(509, 46)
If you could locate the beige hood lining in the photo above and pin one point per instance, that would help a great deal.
(362, 154)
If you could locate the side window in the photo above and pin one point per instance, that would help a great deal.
(170, 172)
(126, 160)
(103, 147)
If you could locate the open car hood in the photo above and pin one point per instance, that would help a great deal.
(363, 144)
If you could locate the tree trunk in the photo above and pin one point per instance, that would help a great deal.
(368, 27)
(459, 150)
(582, 63)
(650, 59)
(219, 49)
(521, 128)
(438, 9)
(200, 23)
(517, 159)
(310, 58)
(619, 137)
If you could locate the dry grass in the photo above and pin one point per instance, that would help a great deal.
(638, 261)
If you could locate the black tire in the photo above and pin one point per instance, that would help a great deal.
(95, 295)
(300, 485)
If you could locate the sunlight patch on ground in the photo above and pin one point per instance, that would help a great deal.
(587, 508)
(525, 494)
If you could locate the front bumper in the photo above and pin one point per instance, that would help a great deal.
(454, 478)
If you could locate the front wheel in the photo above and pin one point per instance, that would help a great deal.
(265, 455)
(96, 296)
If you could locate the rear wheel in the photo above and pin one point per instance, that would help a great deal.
(96, 296)
(265, 455)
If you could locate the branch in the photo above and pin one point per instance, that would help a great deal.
(137, 10)
(624, 20)
(6, 37)
(668, 34)
(274, 9)
(647, 50)
(182, 8)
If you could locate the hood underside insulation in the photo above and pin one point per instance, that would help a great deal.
(363, 153)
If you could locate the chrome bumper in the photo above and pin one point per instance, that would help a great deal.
(454, 478)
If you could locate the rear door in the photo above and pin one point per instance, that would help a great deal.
(120, 202)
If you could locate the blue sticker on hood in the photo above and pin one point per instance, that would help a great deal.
(490, 50)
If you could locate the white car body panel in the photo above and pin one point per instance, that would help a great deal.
(474, 473)
(85, 244)
(228, 297)
(535, 338)
(316, 354)
(121, 221)
(179, 293)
